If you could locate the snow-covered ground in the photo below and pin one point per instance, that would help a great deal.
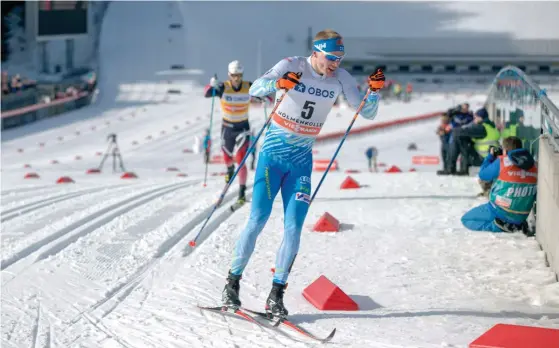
(105, 262)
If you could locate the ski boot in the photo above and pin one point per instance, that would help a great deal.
(230, 172)
(242, 197)
(510, 227)
(275, 309)
(230, 294)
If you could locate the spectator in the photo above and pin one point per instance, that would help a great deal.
(461, 115)
(443, 131)
(409, 90)
(372, 154)
(513, 192)
(397, 90)
(472, 142)
(5, 83)
(15, 83)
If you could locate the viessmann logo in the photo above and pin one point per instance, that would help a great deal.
(300, 196)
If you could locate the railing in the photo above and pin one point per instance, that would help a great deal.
(516, 101)
(32, 113)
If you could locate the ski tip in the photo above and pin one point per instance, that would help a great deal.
(192, 243)
(330, 336)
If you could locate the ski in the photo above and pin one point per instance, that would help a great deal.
(238, 312)
(235, 206)
(292, 326)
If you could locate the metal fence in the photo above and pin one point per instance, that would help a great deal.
(522, 108)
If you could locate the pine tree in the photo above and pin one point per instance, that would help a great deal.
(16, 40)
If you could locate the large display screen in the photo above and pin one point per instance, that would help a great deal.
(61, 19)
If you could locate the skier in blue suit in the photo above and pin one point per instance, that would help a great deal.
(311, 85)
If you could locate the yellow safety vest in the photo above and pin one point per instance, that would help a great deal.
(509, 131)
(491, 138)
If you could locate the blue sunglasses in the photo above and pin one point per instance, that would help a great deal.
(331, 57)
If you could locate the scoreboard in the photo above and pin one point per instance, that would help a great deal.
(61, 19)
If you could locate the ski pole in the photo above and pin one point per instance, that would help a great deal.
(341, 143)
(265, 112)
(209, 145)
(192, 243)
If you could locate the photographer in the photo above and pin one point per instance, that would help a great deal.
(513, 192)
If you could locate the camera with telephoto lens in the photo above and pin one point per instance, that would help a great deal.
(495, 150)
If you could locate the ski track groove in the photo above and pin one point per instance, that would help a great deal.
(98, 325)
(12, 199)
(26, 208)
(24, 189)
(35, 334)
(133, 201)
(122, 291)
(111, 214)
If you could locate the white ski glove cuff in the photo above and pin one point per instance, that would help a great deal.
(214, 82)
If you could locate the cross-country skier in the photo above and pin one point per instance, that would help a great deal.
(312, 85)
(235, 130)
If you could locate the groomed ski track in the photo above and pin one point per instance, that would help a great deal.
(167, 219)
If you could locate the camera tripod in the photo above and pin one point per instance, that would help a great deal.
(114, 151)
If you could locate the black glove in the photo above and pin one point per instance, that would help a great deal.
(496, 151)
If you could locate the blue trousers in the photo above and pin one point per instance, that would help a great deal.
(295, 185)
(481, 218)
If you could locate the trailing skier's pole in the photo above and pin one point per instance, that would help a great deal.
(222, 196)
(341, 142)
(210, 135)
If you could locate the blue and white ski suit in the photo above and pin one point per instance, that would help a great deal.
(285, 158)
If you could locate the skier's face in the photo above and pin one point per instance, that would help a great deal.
(328, 62)
(236, 79)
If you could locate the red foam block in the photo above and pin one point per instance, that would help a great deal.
(327, 223)
(128, 175)
(327, 296)
(93, 171)
(349, 183)
(517, 336)
(31, 176)
(64, 180)
(393, 169)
